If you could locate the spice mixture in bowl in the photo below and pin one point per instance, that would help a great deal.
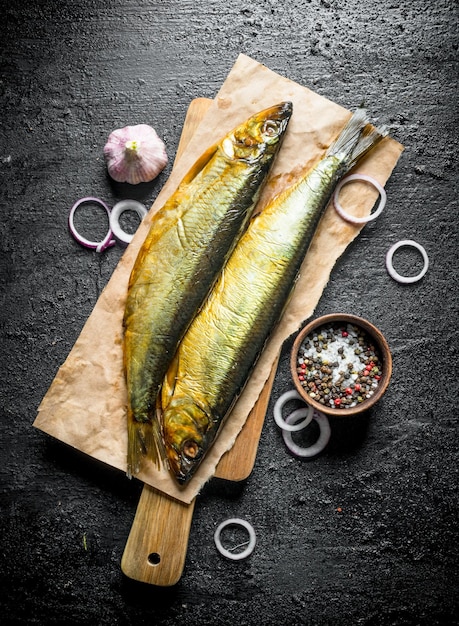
(341, 364)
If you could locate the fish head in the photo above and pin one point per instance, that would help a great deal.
(186, 437)
(258, 139)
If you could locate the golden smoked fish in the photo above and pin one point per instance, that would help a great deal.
(221, 346)
(189, 240)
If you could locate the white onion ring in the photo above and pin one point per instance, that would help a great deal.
(98, 246)
(350, 218)
(390, 268)
(303, 412)
(235, 521)
(118, 209)
(316, 448)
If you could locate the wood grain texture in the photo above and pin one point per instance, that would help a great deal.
(156, 548)
(238, 462)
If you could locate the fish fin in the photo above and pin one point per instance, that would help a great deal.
(136, 447)
(357, 138)
(144, 440)
(369, 138)
(349, 136)
(169, 382)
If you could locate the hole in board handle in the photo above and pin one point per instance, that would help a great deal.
(154, 558)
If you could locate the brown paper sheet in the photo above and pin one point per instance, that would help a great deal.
(85, 405)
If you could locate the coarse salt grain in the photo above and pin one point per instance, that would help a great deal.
(331, 355)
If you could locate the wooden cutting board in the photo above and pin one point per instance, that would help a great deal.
(156, 548)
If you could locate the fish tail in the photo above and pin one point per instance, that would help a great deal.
(356, 138)
(144, 440)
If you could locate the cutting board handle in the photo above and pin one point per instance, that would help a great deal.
(157, 544)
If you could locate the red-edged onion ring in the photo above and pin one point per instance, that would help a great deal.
(350, 218)
(98, 246)
(390, 268)
(316, 448)
(235, 521)
(305, 412)
(120, 207)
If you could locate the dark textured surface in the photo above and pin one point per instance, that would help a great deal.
(366, 533)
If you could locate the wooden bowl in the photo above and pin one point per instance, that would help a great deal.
(338, 321)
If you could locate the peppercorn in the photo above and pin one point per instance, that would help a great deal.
(345, 385)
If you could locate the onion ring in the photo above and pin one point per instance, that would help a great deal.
(316, 448)
(390, 268)
(305, 412)
(359, 220)
(118, 209)
(98, 246)
(235, 521)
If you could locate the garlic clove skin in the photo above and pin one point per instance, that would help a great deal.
(135, 154)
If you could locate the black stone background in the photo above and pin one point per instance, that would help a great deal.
(71, 72)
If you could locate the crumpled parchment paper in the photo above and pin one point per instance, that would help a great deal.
(85, 405)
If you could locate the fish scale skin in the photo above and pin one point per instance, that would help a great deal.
(220, 349)
(179, 277)
(248, 299)
(188, 242)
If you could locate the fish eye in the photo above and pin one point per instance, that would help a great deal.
(270, 128)
(190, 449)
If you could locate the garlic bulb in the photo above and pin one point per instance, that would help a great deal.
(135, 154)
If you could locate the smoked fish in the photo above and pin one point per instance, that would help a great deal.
(221, 346)
(189, 240)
